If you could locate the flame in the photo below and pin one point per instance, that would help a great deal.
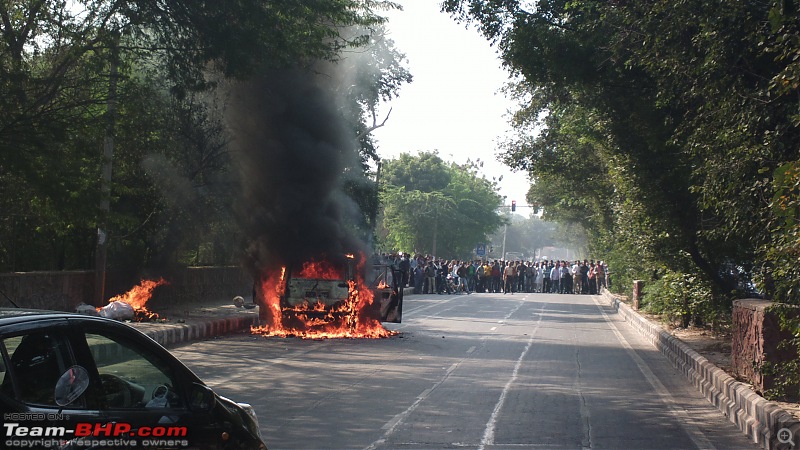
(138, 297)
(322, 270)
(350, 318)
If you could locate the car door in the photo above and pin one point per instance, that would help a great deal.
(145, 393)
(388, 287)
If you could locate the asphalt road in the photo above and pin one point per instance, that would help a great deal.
(483, 371)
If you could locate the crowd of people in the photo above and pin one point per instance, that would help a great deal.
(429, 275)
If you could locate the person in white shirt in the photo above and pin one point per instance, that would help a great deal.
(577, 286)
(539, 280)
(555, 277)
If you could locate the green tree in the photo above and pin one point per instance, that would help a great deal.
(435, 208)
(172, 188)
(662, 124)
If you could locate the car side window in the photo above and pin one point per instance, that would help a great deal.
(35, 362)
(132, 376)
(5, 376)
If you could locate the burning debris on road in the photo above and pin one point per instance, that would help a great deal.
(132, 304)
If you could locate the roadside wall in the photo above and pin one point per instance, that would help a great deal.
(63, 291)
(756, 341)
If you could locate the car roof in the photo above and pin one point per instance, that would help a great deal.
(11, 316)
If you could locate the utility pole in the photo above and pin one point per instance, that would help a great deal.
(435, 230)
(105, 189)
(505, 230)
(374, 213)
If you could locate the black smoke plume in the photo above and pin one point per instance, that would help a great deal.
(293, 148)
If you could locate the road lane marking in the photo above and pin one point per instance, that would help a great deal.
(414, 311)
(390, 426)
(585, 413)
(683, 418)
(488, 432)
(410, 313)
(471, 349)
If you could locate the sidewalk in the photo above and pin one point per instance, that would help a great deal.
(185, 323)
(758, 418)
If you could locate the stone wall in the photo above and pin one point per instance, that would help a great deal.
(46, 290)
(756, 340)
(63, 291)
(199, 284)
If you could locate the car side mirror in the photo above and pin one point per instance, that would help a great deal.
(201, 398)
(71, 385)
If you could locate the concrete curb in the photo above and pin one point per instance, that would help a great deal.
(756, 417)
(168, 334)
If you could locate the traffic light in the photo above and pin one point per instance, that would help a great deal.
(513, 205)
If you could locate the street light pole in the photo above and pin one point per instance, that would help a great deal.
(373, 219)
(505, 230)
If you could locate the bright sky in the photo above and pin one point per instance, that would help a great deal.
(454, 105)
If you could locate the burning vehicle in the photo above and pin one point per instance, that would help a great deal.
(299, 165)
(326, 300)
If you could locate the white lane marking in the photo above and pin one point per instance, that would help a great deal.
(412, 312)
(471, 349)
(488, 432)
(697, 437)
(392, 424)
(419, 309)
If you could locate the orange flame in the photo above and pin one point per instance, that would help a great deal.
(322, 270)
(350, 318)
(138, 297)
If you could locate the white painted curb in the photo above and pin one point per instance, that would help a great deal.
(757, 418)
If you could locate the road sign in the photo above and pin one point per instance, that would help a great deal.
(480, 250)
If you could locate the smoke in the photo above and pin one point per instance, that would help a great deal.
(293, 148)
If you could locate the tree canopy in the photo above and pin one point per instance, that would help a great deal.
(669, 130)
(172, 186)
(436, 208)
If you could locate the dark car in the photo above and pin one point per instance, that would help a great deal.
(76, 381)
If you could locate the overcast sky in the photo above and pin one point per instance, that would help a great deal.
(454, 104)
